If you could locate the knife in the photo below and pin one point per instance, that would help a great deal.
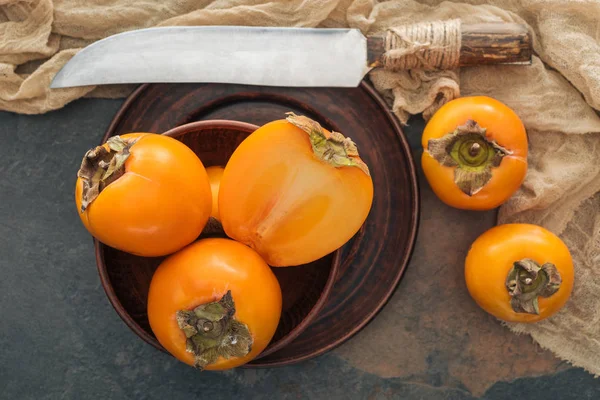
(293, 57)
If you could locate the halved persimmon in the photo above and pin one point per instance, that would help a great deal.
(294, 191)
(143, 193)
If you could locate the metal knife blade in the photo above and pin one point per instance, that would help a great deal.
(291, 57)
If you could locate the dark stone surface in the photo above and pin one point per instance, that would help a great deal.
(60, 338)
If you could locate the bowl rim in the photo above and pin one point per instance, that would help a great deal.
(150, 339)
(210, 124)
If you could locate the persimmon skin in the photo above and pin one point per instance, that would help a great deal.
(215, 174)
(279, 198)
(491, 257)
(502, 126)
(158, 206)
(202, 273)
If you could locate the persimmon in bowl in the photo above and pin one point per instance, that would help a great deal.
(126, 277)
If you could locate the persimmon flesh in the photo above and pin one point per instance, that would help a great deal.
(294, 191)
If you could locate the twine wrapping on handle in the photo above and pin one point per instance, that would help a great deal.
(426, 45)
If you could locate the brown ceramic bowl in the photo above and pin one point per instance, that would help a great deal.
(126, 277)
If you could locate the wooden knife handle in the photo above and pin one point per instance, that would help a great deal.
(480, 44)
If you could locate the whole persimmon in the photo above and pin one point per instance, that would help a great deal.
(294, 191)
(475, 153)
(519, 272)
(143, 193)
(215, 173)
(215, 304)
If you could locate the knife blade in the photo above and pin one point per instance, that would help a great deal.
(293, 57)
(222, 54)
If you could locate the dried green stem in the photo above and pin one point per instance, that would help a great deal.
(101, 166)
(331, 147)
(471, 153)
(212, 332)
(526, 281)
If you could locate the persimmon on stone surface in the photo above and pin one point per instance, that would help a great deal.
(294, 191)
(475, 153)
(144, 194)
(519, 272)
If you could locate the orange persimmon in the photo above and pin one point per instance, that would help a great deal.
(475, 153)
(143, 193)
(519, 272)
(215, 174)
(214, 304)
(294, 191)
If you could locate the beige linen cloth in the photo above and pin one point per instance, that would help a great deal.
(557, 98)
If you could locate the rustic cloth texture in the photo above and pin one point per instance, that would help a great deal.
(557, 98)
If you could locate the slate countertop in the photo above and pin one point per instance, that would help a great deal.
(61, 339)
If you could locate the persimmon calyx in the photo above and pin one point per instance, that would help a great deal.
(331, 147)
(212, 332)
(100, 167)
(471, 153)
(527, 280)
